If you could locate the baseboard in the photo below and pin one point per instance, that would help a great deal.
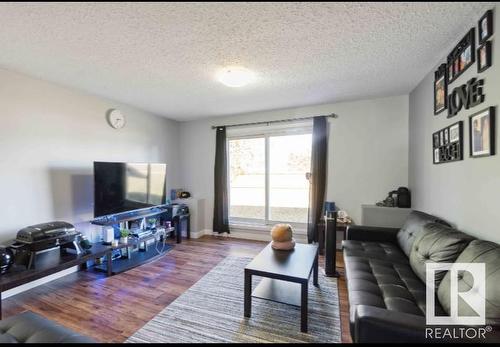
(200, 233)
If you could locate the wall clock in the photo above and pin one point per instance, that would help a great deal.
(116, 119)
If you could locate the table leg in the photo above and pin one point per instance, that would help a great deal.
(109, 263)
(303, 308)
(248, 294)
(178, 229)
(0, 305)
(315, 270)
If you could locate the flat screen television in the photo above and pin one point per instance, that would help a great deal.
(121, 187)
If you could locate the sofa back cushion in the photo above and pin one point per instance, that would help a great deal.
(477, 251)
(437, 243)
(413, 226)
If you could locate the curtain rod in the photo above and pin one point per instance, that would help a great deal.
(331, 115)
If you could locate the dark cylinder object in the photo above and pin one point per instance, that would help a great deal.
(331, 244)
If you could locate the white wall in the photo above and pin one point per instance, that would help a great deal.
(368, 151)
(49, 137)
(466, 193)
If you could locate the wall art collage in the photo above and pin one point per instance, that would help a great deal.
(447, 143)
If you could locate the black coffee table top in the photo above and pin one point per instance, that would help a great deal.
(297, 263)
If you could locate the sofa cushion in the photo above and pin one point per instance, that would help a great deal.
(437, 243)
(477, 252)
(385, 284)
(414, 226)
(374, 250)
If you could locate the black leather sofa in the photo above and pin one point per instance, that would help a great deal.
(28, 327)
(385, 273)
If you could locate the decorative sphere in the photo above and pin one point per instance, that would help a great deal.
(6, 259)
(281, 232)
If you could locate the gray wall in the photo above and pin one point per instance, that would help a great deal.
(49, 137)
(466, 192)
(368, 151)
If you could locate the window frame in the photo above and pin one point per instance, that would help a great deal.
(286, 131)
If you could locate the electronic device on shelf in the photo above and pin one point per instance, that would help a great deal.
(108, 235)
(178, 209)
(141, 233)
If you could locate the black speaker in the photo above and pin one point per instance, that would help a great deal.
(331, 245)
(404, 197)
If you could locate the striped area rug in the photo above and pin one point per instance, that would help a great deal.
(211, 311)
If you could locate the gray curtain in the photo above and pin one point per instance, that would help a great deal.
(318, 176)
(221, 202)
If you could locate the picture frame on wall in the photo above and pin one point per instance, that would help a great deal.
(484, 57)
(440, 89)
(482, 133)
(447, 144)
(485, 26)
(462, 56)
(440, 95)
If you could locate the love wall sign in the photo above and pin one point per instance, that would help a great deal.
(465, 96)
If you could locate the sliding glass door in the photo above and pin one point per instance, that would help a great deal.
(268, 178)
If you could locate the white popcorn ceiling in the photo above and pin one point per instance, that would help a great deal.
(163, 57)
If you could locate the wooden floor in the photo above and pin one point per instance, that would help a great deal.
(111, 309)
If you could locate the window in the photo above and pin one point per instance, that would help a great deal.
(267, 177)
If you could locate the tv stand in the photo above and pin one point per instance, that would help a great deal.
(135, 254)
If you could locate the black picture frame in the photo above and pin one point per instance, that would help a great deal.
(484, 53)
(476, 144)
(451, 149)
(462, 56)
(485, 23)
(440, 89)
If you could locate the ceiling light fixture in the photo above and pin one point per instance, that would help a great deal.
(235, 76)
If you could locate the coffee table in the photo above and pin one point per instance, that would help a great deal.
(286, 277)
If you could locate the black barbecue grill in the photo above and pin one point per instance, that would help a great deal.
(42, 237)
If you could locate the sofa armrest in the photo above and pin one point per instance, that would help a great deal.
(367, 233)
(378, 325)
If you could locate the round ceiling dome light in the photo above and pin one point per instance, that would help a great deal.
(235, 76)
